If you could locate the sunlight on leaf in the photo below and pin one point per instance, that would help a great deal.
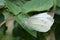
(37, 5)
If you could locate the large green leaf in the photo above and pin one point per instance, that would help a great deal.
(37, 5)
(58, 3)
(19, 2)
(20, 19)
(12, 7)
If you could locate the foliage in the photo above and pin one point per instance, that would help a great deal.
(18, 10)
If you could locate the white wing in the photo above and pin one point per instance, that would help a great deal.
(41, 22)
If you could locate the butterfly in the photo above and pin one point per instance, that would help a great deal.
(41, 22)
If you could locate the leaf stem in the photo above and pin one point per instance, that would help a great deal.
(54, 5)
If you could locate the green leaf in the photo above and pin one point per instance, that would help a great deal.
(19, 2)
(37, 5)
(58, 3)
(12, 7)
(57, 11)
(2, 3)
(20, 19)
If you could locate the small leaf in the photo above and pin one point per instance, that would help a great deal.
(13, 8)
(37, 5)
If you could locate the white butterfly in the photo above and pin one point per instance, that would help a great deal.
(41, 22)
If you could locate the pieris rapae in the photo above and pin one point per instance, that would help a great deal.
(41, 22)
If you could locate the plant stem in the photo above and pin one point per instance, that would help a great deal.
(50, 36)
(54, 5)
(9, 18)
